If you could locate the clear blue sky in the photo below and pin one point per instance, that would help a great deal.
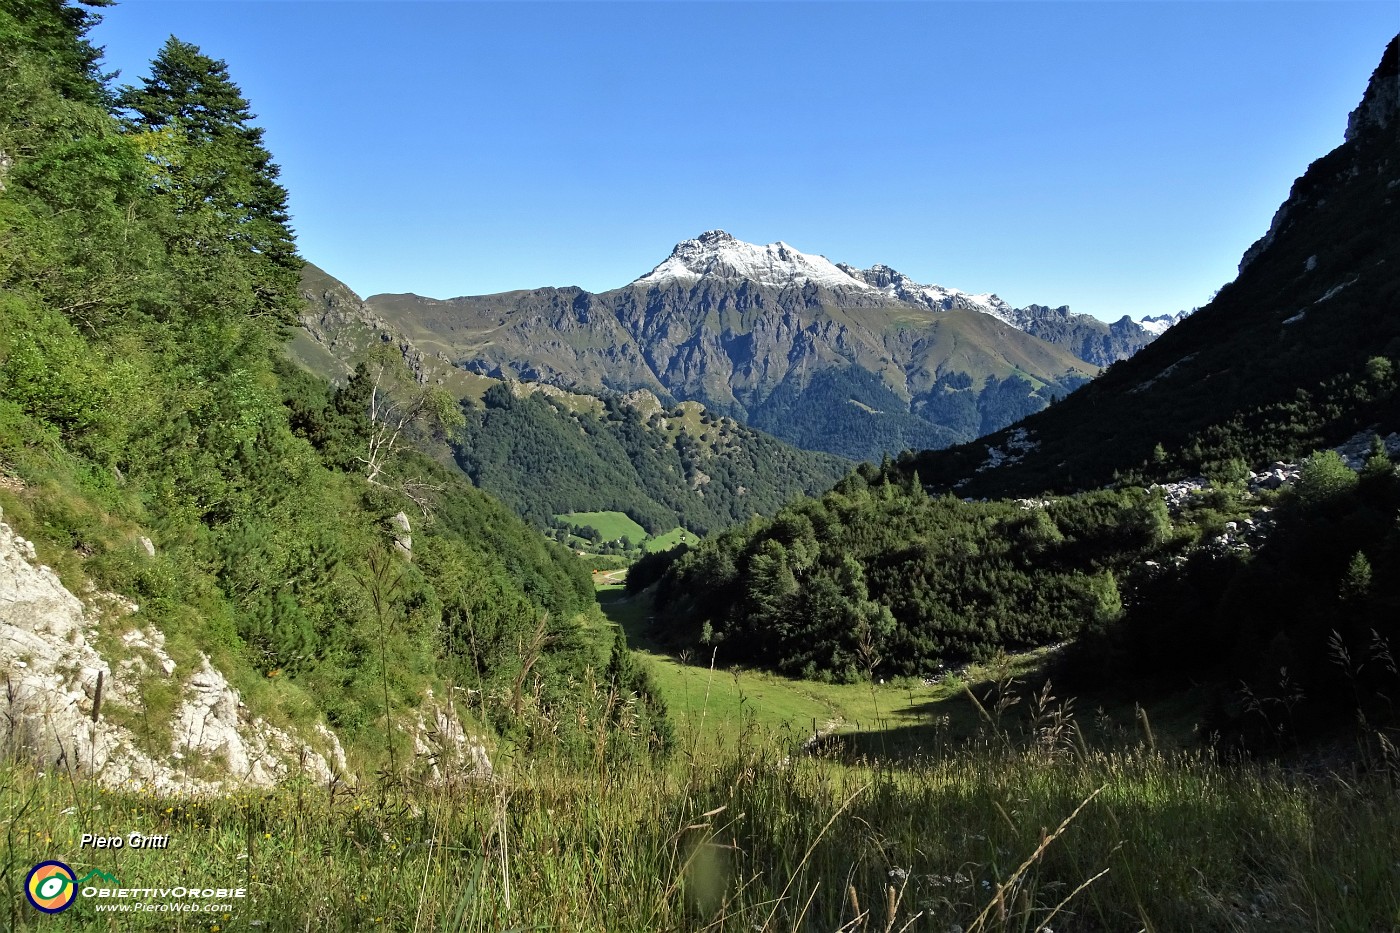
(1116, 157)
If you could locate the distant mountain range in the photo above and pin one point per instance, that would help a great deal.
(856, 362)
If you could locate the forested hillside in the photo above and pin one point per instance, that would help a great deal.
(880, 580)
(148, 282)
(661, 467)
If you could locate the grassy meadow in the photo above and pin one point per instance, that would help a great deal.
(923, 810)
(1018, 830)
(979, 803)
(612, 526)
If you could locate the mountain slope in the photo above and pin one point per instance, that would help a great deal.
(1298, 353)
(855, 362)
(544, 451)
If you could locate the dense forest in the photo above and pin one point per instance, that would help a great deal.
(148, 280)
(664, 468)
(878, 578)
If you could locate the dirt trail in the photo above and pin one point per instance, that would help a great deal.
(609, 577)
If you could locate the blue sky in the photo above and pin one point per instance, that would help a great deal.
(1115, 157)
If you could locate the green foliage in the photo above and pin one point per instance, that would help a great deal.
(1033, 837)
(1324, 478)
(146, 272)
(888, 581)
(651, 567)
(543, 460)
(208, 160)
(636, 708)
(1318, 601)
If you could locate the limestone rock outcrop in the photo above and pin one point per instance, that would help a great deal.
(60, 691)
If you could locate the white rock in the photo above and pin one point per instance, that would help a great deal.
(52, 671)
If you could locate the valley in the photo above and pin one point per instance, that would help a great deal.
(761, 593)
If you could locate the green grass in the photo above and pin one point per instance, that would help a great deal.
(716, 703)
(668, 540)
(613, 526)
(999, 834)
(1014, 816)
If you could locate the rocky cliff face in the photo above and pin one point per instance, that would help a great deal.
(1373, 125)
(62, 693)
(1379, 110)
(65, 700)
(1087, 337)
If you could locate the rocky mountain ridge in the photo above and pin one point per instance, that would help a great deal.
(825, 356)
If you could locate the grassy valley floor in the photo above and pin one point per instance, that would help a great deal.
(990, 837)
(920, 811)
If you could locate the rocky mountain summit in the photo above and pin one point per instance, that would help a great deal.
(718, 255)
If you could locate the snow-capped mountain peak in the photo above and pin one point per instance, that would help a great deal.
(716, 253)
(717, 256)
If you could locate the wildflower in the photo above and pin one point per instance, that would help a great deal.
(899, 874)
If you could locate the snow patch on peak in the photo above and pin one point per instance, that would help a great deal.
(936, 297)
(1158, 324)
(716, 253)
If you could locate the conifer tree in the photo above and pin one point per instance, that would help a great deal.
(198, 132)
(56, 32)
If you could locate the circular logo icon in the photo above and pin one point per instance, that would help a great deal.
(51, 887)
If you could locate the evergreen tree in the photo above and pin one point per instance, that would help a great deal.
(196, 129)
(57, 32)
